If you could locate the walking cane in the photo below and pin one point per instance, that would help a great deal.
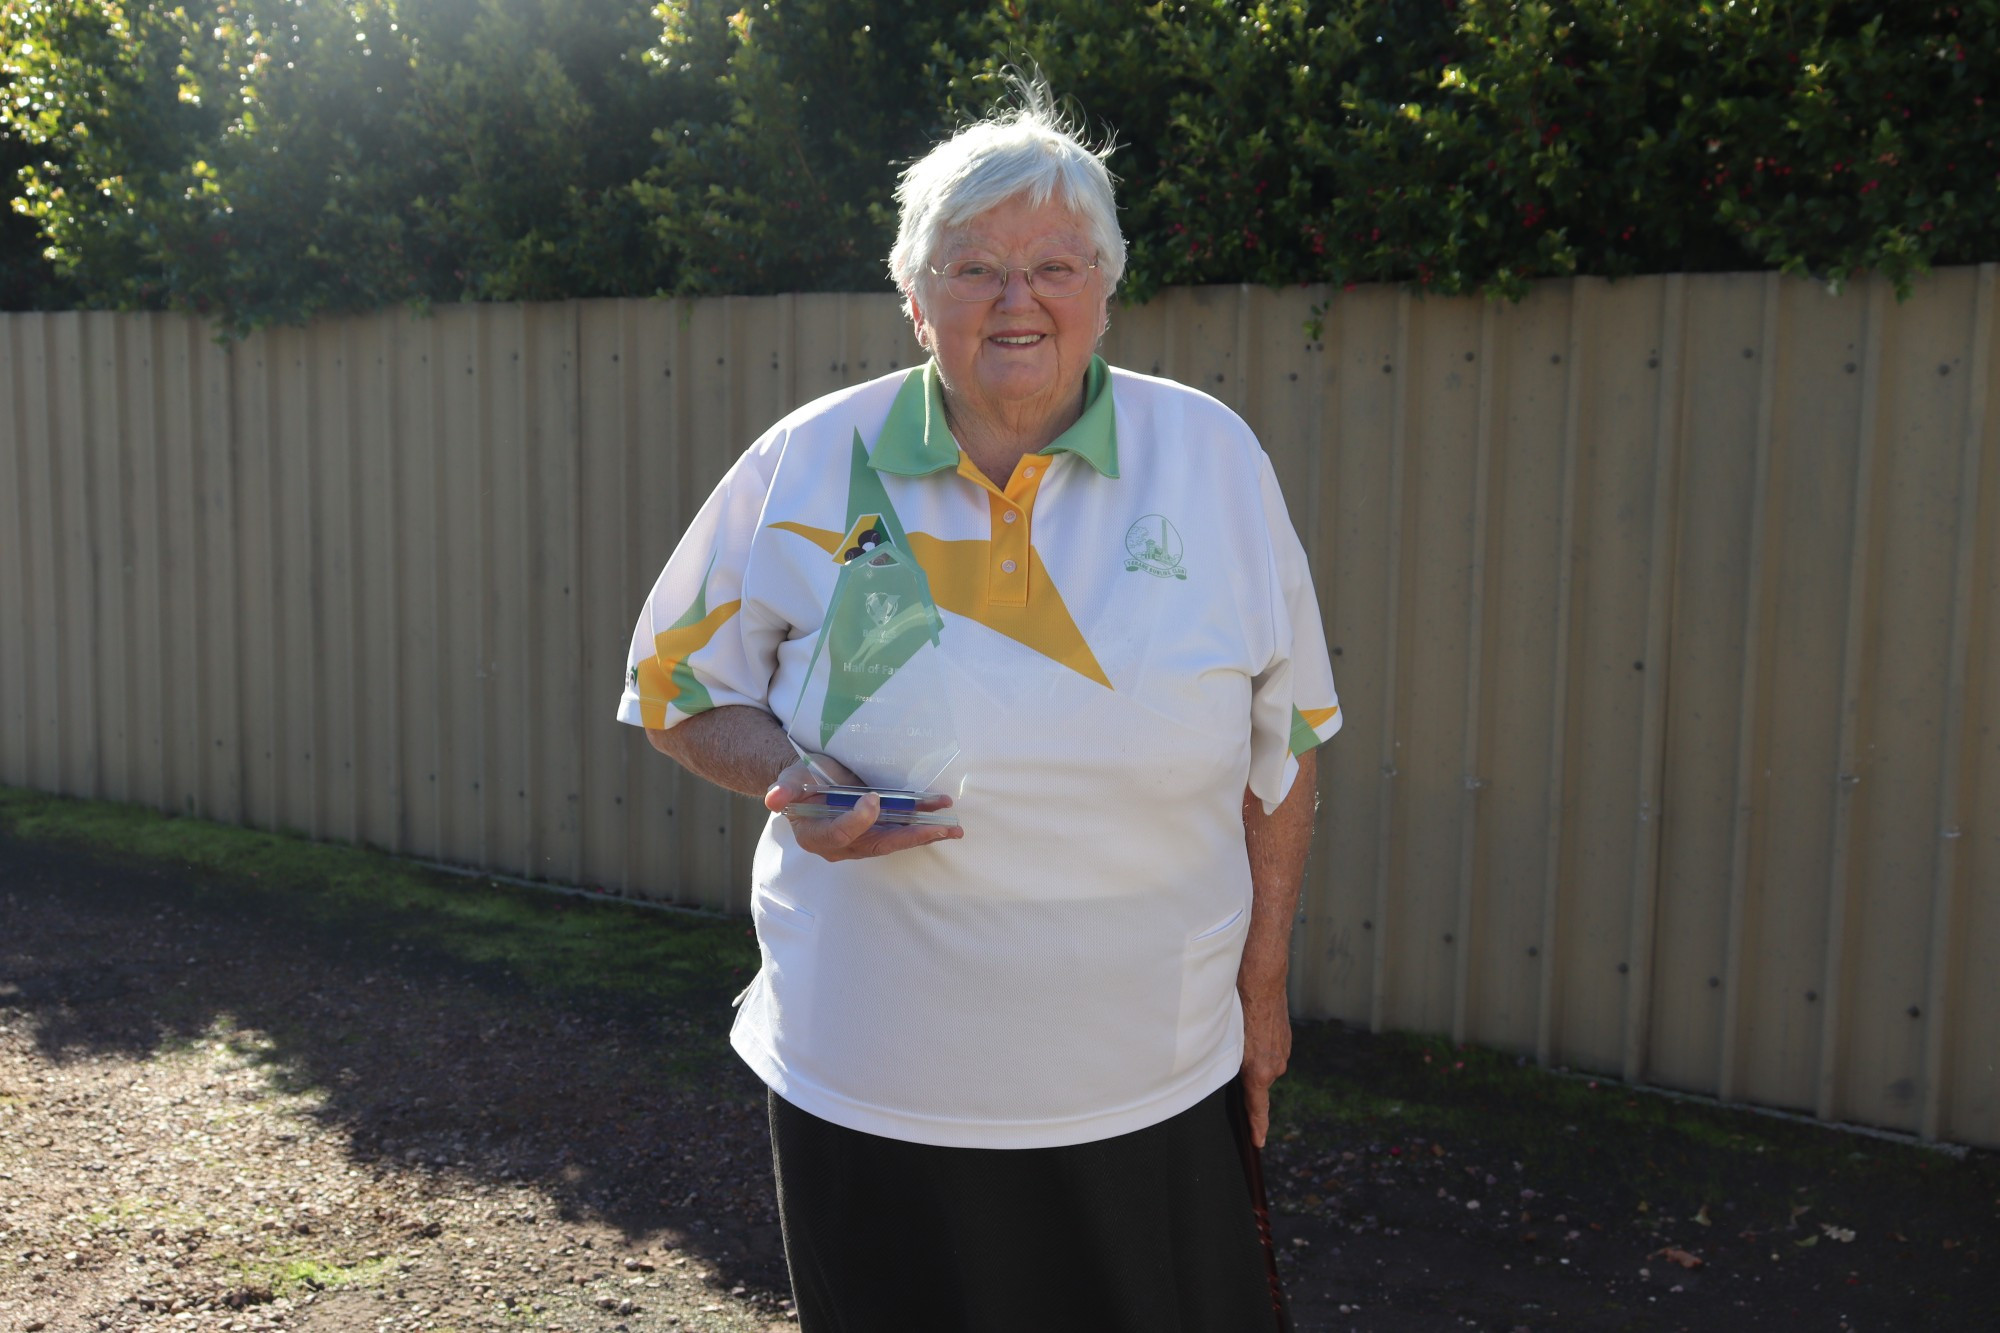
(1260, 1205)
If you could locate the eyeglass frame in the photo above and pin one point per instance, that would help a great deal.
(1007, 271)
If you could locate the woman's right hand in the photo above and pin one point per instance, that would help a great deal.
(856, 834)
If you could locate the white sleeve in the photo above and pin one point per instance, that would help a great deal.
(698, 643)
(1293, 706)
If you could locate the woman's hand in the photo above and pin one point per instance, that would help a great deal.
(1267, 1049)
(856, 834)
(740, 747)
(1277, 845)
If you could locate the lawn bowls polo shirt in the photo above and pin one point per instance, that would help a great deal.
(1129, 638)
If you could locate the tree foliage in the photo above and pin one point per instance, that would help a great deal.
(1467, 146)
(265, 160)
(28, 279)
(789, 187)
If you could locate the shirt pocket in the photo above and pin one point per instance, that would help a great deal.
(1209, 1009)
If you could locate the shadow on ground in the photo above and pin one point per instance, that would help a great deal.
(580, 1048)
(630, 1116)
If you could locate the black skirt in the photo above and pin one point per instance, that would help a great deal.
(1150, 1232)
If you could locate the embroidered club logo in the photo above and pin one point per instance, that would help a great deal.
(1153, 545)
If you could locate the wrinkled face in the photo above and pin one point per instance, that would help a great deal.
(1017, 353)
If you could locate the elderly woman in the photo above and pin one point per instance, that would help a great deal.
(1004, 1055)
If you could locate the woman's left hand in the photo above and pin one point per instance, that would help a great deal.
(1277, 844)
(1267, 1050)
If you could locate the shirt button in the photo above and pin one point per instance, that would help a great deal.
(1028, 472)
(1007, 566)
(1009, 516)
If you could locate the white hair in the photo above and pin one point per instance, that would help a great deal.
(1031, 150)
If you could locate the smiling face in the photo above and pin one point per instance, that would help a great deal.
(1018, 359)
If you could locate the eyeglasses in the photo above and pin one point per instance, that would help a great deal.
(982, 279)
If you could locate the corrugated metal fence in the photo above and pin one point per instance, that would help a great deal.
(1665, 614)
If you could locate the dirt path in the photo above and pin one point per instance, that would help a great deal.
(204, 1124)
(218, 1114)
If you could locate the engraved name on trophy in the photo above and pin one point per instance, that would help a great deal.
(874, 698)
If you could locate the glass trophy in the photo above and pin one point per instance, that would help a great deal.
(875, 700)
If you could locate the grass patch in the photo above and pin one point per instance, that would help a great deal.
(1603, 1138)
(139, 1213)
(348, 895)
(295, 1277)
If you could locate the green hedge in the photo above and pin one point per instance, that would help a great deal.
(1473, 146)
(28, 279)
(268, 163)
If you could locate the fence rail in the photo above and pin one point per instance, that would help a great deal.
(1664, 615)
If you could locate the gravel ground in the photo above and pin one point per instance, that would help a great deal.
(182, 1191)
(229, 1108)
(205, 1125)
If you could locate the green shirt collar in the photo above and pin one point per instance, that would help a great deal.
(916, 442)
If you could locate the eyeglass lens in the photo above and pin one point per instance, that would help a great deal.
(982, 280)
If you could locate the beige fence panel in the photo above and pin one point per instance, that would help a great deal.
(1967, 1101)
(1664, 616)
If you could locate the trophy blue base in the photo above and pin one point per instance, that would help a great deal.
(898, 807)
